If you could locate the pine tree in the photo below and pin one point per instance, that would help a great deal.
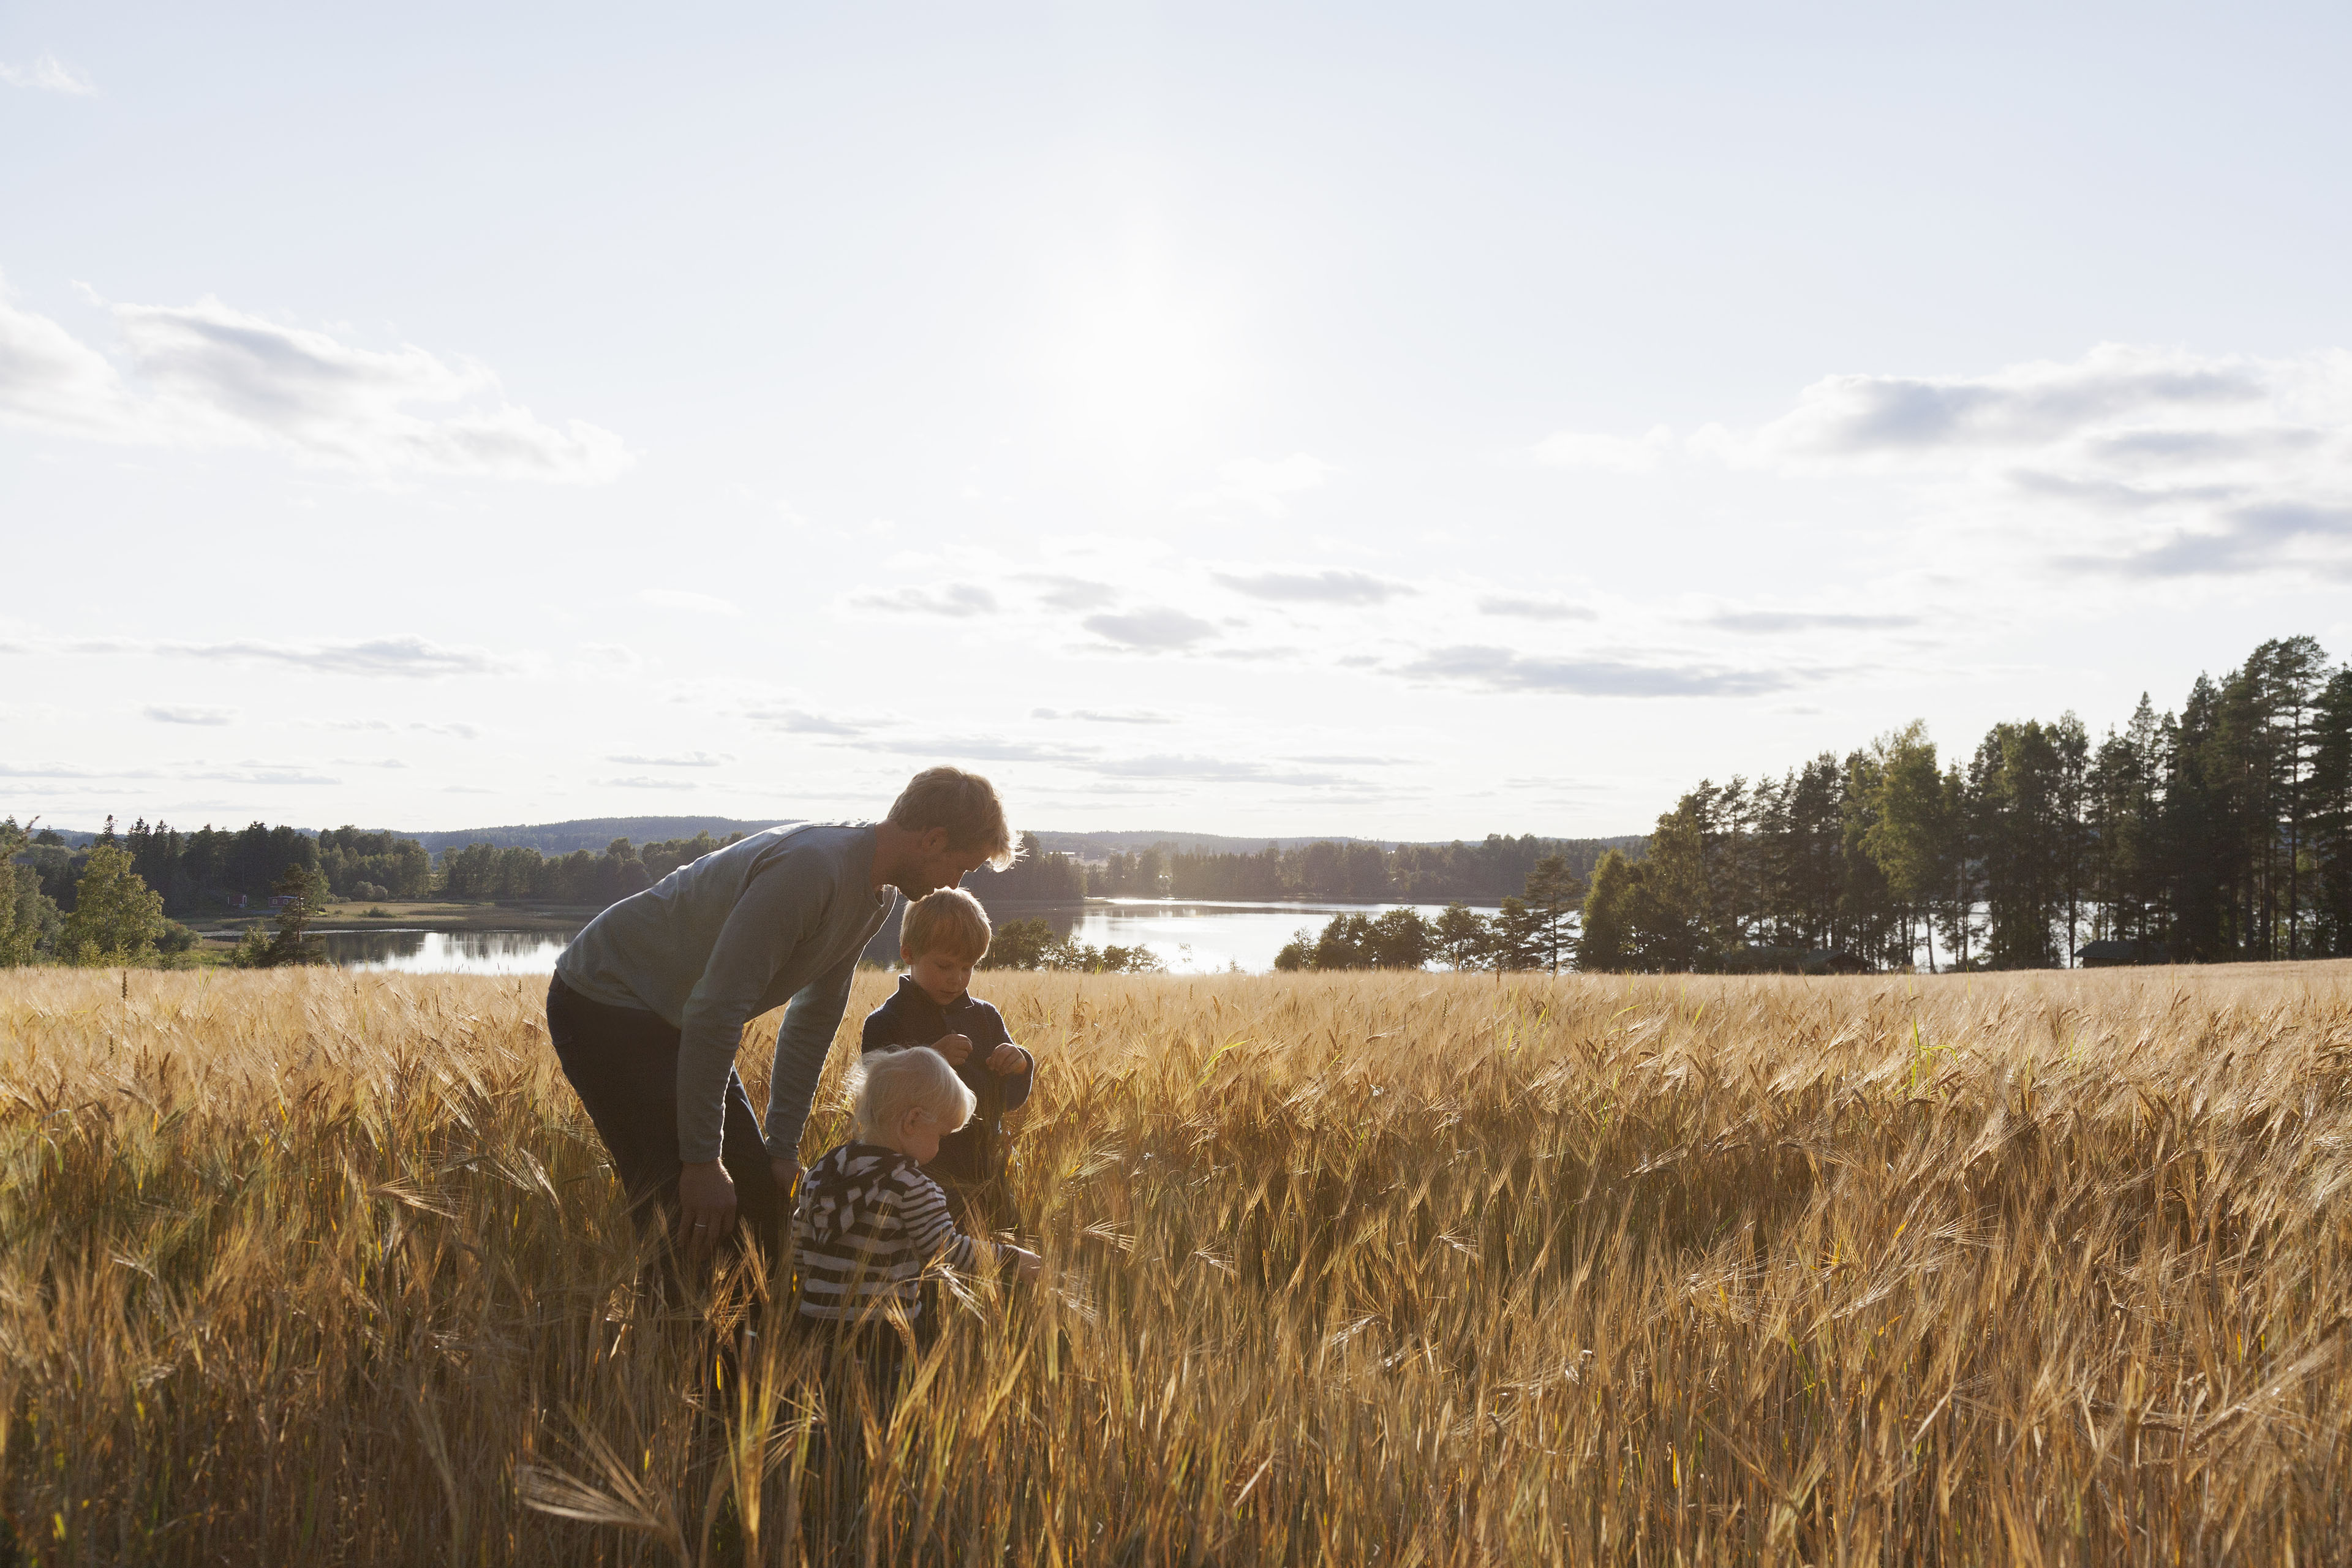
(2013, 784)
(2125, 821)
(2199, 844)
(2292, 673)
(1552, 895)
(1874, 923)
(1515, 937)
(2328, 817)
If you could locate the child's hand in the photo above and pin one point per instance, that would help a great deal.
(955, 1047)
(1030, 1264)
(1007, 1059)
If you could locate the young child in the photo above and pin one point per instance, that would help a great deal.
(869, 1221)
(941, 939)
(869, 1225)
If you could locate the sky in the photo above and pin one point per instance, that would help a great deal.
(1399, 422)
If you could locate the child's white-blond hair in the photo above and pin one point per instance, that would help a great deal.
(950, 921)
(885, 1085)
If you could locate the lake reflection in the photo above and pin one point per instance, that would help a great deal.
(447, 952)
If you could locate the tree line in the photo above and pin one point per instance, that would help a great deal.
(113, 900)
(1532, 929)
(2218, 831)
(211, 870)
(1485, 872)
(481, 871)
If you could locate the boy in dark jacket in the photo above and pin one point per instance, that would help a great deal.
(942, 937)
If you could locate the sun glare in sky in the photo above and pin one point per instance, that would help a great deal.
(1139, 353)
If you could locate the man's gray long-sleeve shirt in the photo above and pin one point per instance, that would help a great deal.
(777, 920)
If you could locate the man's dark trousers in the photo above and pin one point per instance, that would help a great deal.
(623, 1062)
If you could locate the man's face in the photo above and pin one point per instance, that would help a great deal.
(936, 866)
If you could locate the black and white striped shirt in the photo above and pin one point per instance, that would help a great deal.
(868, 1223)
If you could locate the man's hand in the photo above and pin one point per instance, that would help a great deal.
(788, 1176)
(955, 1047)
(1007, 1059)
(706, 1206)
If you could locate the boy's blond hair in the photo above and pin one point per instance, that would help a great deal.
(885, 1086)
(950, 921)
(964, 804)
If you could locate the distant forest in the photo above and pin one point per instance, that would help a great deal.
(2221, 830)
(1348, 871)
(214, 871)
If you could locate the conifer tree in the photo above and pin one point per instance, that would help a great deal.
(1552, 895)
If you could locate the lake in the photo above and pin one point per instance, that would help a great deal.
(1193, 936)
(411, 952)
(1190, 936)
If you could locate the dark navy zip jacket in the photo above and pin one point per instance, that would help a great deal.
(972, 1153)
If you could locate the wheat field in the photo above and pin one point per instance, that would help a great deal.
(314, 1268)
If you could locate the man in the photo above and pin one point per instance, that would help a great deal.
(649, 1003)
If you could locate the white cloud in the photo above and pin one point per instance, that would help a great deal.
(1156, 629)
(246, 772)
(67, 771)
(184, 713)
(1535, 608)
(1771, 622)
(686, 760)
(1506, 669)
(1213, 770)
(208, 375)
(802, 721)
(1096, 716)
(1325, 587)
(47, 377)
(2291, 536)
(50, 74)
(405, 656)
(261, 772)
(1075, 593)
(618, 655)
(2129, 462)
(2020, 408)
(643, 781)
(684, 599)
(1622, 454)
(955, 600)
(1266, 484)
(975, 749)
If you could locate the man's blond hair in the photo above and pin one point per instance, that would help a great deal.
(964, 804)
(950, 921)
